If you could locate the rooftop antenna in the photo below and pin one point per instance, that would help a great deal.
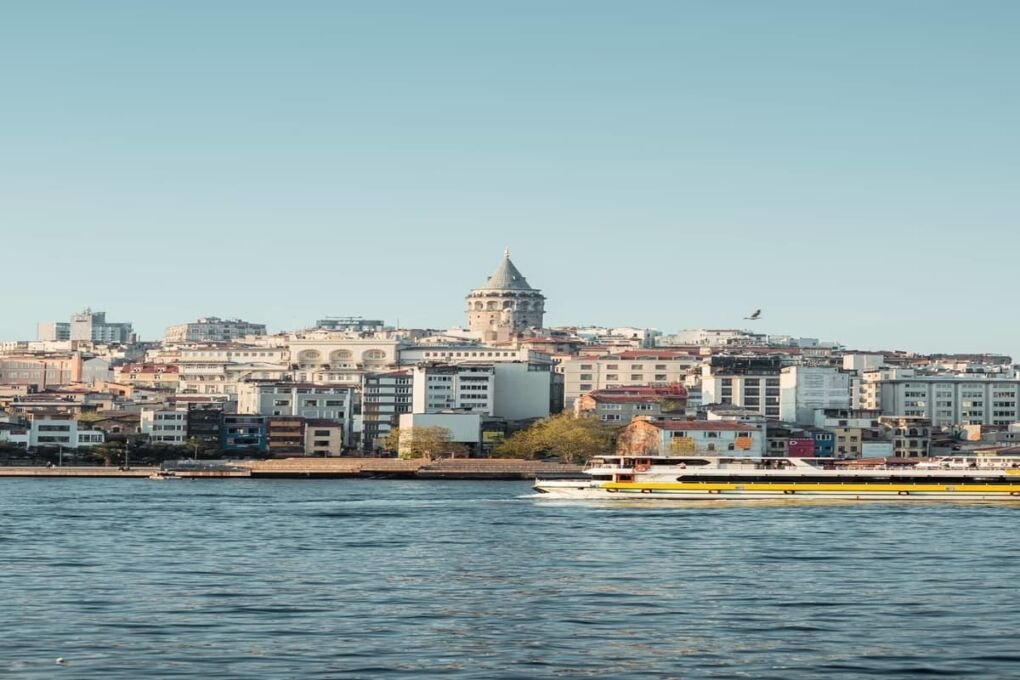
(506, 252)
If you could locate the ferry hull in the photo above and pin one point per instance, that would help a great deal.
(611, 491)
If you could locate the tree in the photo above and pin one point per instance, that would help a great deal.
(427, 442)
(108, 452)
(392, 440)
(571, 439)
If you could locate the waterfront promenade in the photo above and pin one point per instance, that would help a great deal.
(446, 468)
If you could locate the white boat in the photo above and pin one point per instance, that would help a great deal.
(975, 478)
(164, 474)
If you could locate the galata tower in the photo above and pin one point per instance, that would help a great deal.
(505, 304)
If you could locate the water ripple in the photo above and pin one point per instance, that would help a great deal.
(402, 579)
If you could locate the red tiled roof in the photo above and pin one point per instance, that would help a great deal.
(702, 425)
(632, 398)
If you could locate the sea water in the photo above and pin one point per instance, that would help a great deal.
(391, 579)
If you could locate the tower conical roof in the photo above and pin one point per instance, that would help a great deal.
(506, 277)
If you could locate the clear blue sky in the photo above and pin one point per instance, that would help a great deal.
(853, 168)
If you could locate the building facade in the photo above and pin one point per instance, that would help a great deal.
(626, 369)
(690, 438)
(620, 405)
(743, 381)
(165, 426)
(212, 329)
(92, 326)
(805, 389)
(384, 396)
(945, 400)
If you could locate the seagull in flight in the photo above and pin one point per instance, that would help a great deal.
(754, 315)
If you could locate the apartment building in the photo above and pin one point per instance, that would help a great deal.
(157, 376)
(852, 430)
(945, 400)
(212, 329)
(751, 381)
(384, 396)
(662, 437)
(618, 406)
(220, 369)
(89, 326)
(57, 431)
(626, 369)
(165, 426)
(805, 389)
(461, 387)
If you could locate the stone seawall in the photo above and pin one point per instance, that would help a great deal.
(76, 471)
(446, 468)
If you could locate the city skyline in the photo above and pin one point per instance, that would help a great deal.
(847, 169)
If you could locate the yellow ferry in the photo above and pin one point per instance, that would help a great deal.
(977, 478)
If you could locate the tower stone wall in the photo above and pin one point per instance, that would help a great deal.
(505, 304)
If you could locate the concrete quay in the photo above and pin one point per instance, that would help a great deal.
(444, 468)
(76, 471)
(324, 468)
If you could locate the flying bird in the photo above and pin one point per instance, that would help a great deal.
(754, 315)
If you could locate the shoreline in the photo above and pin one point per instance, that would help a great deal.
(325, 468)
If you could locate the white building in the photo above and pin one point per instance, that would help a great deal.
(384, 396)
(220, 369)
(719, 337)
(803, 389)
(512, 391)
(62, 432)
(464, 428)
(53, 331)
(860, 362)
(165, 426)
(336, 358)
(307, 400)
(626, 369)
(943, 399)
(93, 326)
(743, 381)
(462, 387)
(212, 329)
(465, 353)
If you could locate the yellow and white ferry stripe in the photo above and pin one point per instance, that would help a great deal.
(877, 487)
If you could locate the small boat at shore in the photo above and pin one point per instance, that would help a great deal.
(164, 474)
(974, 478)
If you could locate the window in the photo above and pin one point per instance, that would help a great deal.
(334, 402)
(281, 402)
(586, 376)
(612, 376)
(321, 433)
(636, 377)
(660, 377)
(585, 387)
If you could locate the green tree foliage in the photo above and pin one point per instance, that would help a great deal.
(428, 442)
(572, 440)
